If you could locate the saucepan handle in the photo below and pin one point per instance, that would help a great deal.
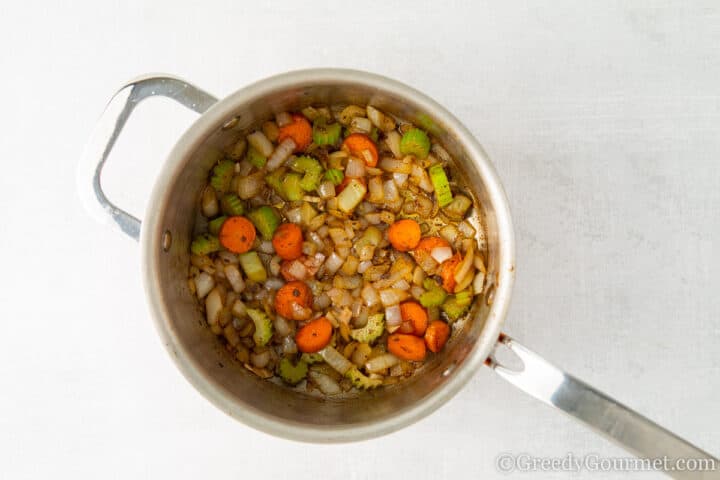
(624, 426)
(108, 130)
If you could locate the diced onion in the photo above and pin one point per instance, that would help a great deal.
(361, 124)
(326, 190)
(355, 168)
(381, 362)
(478, 283)
(283, 118)
(327, 385)
(393, 318)
(466, 229)
(232, 274)
(335, 360)
(281, 153)
(203, 284)
(392, 296)
(333, 263)
(294, 215)
(289, 347)
(213, 305)
(396, 165)
(282, 326)
(401, 284)
(251, 185)
(393, 142)
(297, 270)
(266, 246)
(390, 190)
(364, 265)
(260, 360)
(465, 265)
(260, 142)
(440, 254)
(209, 202)
(273, 283)
(400, 178)
(370, 296)
(375, 186)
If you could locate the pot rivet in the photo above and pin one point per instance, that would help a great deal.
(166, 240)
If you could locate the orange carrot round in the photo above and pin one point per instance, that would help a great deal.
(293, 301)
(404, 234)
(314, 336)
(407, 347)
(357, 144)
(287, 241)
(436, 335)
(414, 314)
(447, 272)
(428, 244)
(299, 130)
(237, 234)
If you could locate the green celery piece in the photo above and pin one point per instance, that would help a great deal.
(266, 220)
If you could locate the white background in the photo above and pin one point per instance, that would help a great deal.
(603, 120)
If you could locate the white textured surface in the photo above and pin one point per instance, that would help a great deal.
(603, 120)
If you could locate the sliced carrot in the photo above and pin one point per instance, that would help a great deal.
(428, 244)
(237, 234)
(314, 335)
(299, 130)
(436, 335)
(404, 234)
(357, 144)
(287, 241)
(414, 314)
(345, 182)
(293, 301)
(447, 272)
(407, 347)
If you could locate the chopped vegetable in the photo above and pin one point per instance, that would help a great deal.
(404, 234)
(205, 244)
(407, 347)
(437, 335)
(434, 296)
(293, 301)
(440, 184)
(361, 146)
(324, 134)
(232, 205)
(263, 326)
(237, 234)
(253, 266)
(266, 220)
(371, 331)
(416, 316)
(453, 309)
(311, 169)
(463, 298)
(299, 131)
(415, 142)
(222, 175)
(334, 175)
(274, 180)
(361, 381)
(314, 335)
(457, 208)
(336, 360)
(292, 374)
(447, 272)
(290, 187)
(260, 142)
(287, 241)
(215, 224)
(351, 195)
(311, 358)
(255, 158)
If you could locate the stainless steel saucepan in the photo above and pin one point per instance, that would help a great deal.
(165, 237)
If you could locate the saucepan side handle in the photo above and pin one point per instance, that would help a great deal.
(108, 130)
(624, 426)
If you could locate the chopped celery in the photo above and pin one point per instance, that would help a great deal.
(463, 298)
(351, 196)
(458, 207)
(335, 175)
(311, 170)
(215, 225)
(274, 180)
(434, 297)
(311, 358)
(360, 381)
(374, 134)
(255, 158)
(307, 213)
(253, 266)
(292, 374)
(266, 220)
(324, 134)
(453, 309)
(232, 205)
(372, 329)
(291, 190)
(204, 244)
(263, 326)
(415, 142)
(222, 175)
(440, 184)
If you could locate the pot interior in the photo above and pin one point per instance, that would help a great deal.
(199, 353)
